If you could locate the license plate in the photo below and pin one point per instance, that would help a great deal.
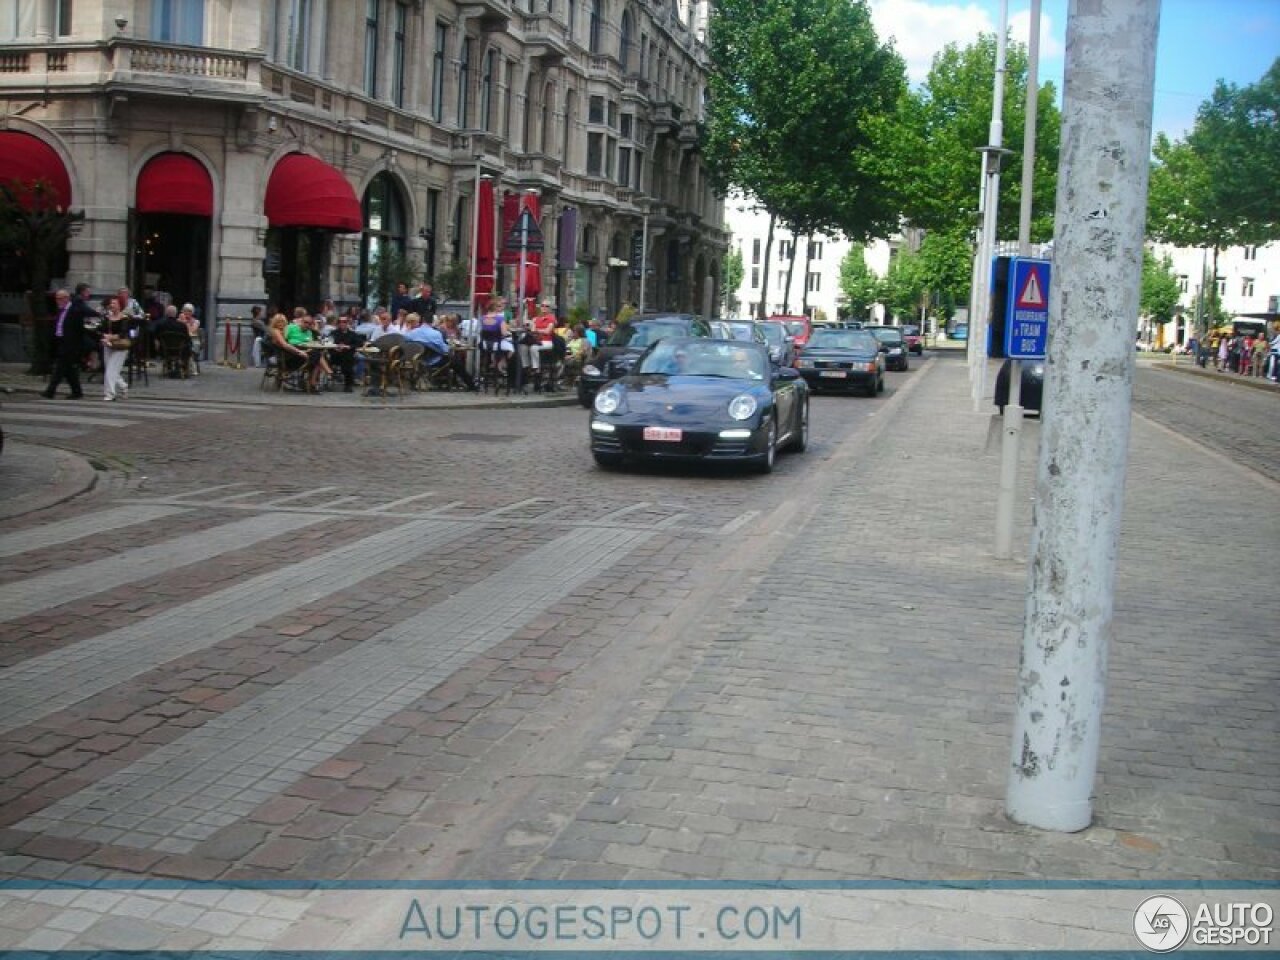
(832, 373)
(665, 434)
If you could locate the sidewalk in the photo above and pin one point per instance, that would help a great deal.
(227, 385)
(855, 721)
(1190, 367)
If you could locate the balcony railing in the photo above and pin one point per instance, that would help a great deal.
(175, 61)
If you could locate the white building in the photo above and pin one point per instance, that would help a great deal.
(1248, 281)
(817, 265)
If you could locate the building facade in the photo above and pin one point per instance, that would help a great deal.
(815, 277)
(238, 152)
(1248, 282)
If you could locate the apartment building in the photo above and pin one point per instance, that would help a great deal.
(237, 152)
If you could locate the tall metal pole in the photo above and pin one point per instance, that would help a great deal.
(644, 256)
(1012, 435)
(1099, 219)
(475, 236)
(991, 155)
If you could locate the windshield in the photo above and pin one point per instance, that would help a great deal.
(910, 331)
(797, 329)
(740, 331)
(843, 340)
(773, 334)
(645, 332)
(888, 335)
(706, 358)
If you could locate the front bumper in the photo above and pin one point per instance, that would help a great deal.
(839, 379)
(627, 441)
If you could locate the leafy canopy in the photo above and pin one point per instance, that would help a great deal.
(943, 125)
(801, 98)
(1218, 187)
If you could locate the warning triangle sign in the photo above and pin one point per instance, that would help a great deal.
(1032, 295)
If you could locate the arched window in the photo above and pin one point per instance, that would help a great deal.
(624, 43)
(382, 241)
(593, 36)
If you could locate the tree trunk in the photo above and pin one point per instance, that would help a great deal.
(808, 259)
(791, 269)
(762, 310)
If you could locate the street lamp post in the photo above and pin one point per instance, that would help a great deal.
(644, 253)
(475, 238)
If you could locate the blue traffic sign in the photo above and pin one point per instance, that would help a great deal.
(1026, 329)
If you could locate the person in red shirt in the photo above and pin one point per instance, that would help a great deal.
(544, 325)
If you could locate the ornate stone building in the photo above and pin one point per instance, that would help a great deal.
(234, 152)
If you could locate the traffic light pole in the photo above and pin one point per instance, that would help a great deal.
(1099, 220)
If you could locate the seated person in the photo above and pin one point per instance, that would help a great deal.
(495, 335)
(343, 355)
(170, 324)
(289, 357)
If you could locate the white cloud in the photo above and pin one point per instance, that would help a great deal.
(920, 28)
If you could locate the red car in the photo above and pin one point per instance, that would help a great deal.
(915, 343)
(798, 327)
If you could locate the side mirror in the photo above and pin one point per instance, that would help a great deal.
(787, 374)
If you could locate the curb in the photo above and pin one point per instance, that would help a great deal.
(1221, 378)
(459, 402)
(54, 475)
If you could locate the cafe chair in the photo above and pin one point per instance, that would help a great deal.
(410, 370)
(175, 349)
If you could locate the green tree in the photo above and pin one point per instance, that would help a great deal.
(903, 288)
(946, 267)
(801, 92)
(942, 126)
(734, 271)
(388, 266)
(1216, 188)
(34, 229)
(454, 281)
(859, 287)
(1160, 290)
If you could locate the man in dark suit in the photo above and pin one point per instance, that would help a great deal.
(343, 355)
(425, 305)
(70, 339)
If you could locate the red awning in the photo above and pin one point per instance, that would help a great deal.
(306, 192)
(26, 159)
(175, 183)
(482, 256)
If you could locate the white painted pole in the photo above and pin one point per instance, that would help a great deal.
(473, 315)
(1099, 222)
(1012, 436)
(990, 205)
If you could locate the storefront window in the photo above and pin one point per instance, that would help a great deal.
(383, 240)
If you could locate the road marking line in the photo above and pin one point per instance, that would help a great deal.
(268, 743)
(60, 678)
(24, 597)
(78, 528)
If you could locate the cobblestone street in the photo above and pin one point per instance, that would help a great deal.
(279, 642)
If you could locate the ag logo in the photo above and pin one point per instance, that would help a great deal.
(1161, 924)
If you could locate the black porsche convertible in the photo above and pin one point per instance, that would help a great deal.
(696, 399)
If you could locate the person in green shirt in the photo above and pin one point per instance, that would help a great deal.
(299, 331)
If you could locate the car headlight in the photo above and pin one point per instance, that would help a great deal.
(869, 367)
(608, 401)
(803, 364)
(591, 370)
(742, 406)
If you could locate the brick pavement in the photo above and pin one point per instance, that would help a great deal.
(854, 721)
(808, 676)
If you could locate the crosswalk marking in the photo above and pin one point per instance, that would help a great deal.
(24, 597)
(78, 528)
(70, 419)
(186, 791)
(60, 678)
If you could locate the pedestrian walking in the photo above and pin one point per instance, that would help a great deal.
(71, 339)
(115, 348)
